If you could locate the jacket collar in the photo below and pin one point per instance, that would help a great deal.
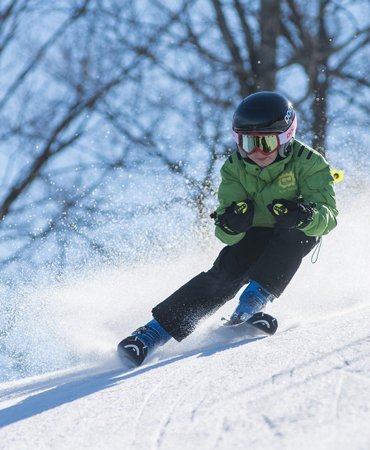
(269, 172)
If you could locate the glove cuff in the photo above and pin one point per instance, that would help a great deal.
(227, 230)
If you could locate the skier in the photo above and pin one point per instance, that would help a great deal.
(276, 199)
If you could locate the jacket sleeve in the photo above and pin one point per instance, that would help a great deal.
(316, 186)
(230, 190)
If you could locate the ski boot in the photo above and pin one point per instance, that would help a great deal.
(252, 302)
(136, 347)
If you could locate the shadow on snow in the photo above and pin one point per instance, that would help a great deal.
(85, 385)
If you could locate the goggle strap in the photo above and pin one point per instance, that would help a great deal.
(289, 133)
(235, 136)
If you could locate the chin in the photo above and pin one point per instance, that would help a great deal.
(263, 162)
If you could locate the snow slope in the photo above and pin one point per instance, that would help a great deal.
(306, 387)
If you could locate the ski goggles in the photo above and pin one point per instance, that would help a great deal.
(263, 143)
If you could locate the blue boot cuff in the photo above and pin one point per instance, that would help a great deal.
(155, 325)
(255, 288)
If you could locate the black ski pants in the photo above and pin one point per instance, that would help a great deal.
(270, 256)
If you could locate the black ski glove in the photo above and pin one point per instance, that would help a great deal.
(290, 214)
(237, 218)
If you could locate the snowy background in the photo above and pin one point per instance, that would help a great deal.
(118, 219)
(307, 386)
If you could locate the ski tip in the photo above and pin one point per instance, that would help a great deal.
(132, 351)
(264, 322)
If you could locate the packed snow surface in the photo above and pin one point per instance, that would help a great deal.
(306, 387)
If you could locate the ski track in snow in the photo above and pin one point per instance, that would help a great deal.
(279, 392)
(306, 387)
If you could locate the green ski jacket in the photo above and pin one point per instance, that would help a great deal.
(304, 175)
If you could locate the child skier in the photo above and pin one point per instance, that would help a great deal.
(276, 199)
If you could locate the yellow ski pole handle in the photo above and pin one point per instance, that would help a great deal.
(338, 175)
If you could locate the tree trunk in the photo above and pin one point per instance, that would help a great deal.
(320, 83)
(269, 23)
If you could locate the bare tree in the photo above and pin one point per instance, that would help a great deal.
(214, 53)
(329, 40)
(55, 187)
(116, 89)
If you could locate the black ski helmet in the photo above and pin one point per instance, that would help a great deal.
(267, 112)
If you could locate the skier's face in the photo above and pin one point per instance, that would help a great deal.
(261, 159)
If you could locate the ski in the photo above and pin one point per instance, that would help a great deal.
(260, 321)
(132, 351)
